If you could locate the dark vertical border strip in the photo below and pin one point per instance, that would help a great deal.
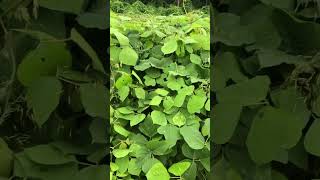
(213, 50)
(107, 63)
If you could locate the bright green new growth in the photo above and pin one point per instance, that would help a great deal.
(160, 96)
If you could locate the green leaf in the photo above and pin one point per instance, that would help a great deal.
(85, 46)
(133, 168)
(170, 132)
(206, 128)
(158, 172)
(120, 153)
(121, 130)
(155, 101)
(140, 93)
(93, 20)
(43, 97)
(196, 103)
(123, 164)
(94, 99)
(124, 80)
(247, 92)
(195, 59)
(270, 58)
(230, 31)
(43, 61)
(178, 169)
(123, 92)
(193, 137)
(159, 118)
(128, 56)
(179, 119)
(95, 172)
(170, 46)
(225, 121)
(48, 155)
(72, 6)
(268, 126)
(285, 4)
(123, 40)
(168, 102)
(311, 139)
(98, 130)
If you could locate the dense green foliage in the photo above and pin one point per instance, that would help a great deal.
(53, 98)
(266, 81)
(160, 89)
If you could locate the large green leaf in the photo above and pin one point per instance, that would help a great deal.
(159, 118)
(158, 172)
(193, 137)
(43, 98)
(72, 6)
(225, 121)
(94, 99)
(247, 92)
(43, 61)
(128, 56)
(170, 46)
(311, 143)
(277, 128)
(48, 155)
(178, 169)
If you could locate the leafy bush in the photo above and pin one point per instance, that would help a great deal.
(53, 98)
(160, 91)
(266, 84)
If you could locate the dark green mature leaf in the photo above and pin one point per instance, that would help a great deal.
(97, 172)
(225, 121)
(93, 20)
(94, 99)
(311, 140)
(225, 32)
(72, 6)
(43, 61)
(277, 128)
(43, 97)
(48, 155)
(247, 92)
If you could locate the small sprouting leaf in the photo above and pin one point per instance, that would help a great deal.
(179, 119)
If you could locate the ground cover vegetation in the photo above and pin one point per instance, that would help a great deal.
(53, 93)
(160, 95)
(266, 83)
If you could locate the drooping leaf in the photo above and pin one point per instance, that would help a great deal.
(43, 97)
